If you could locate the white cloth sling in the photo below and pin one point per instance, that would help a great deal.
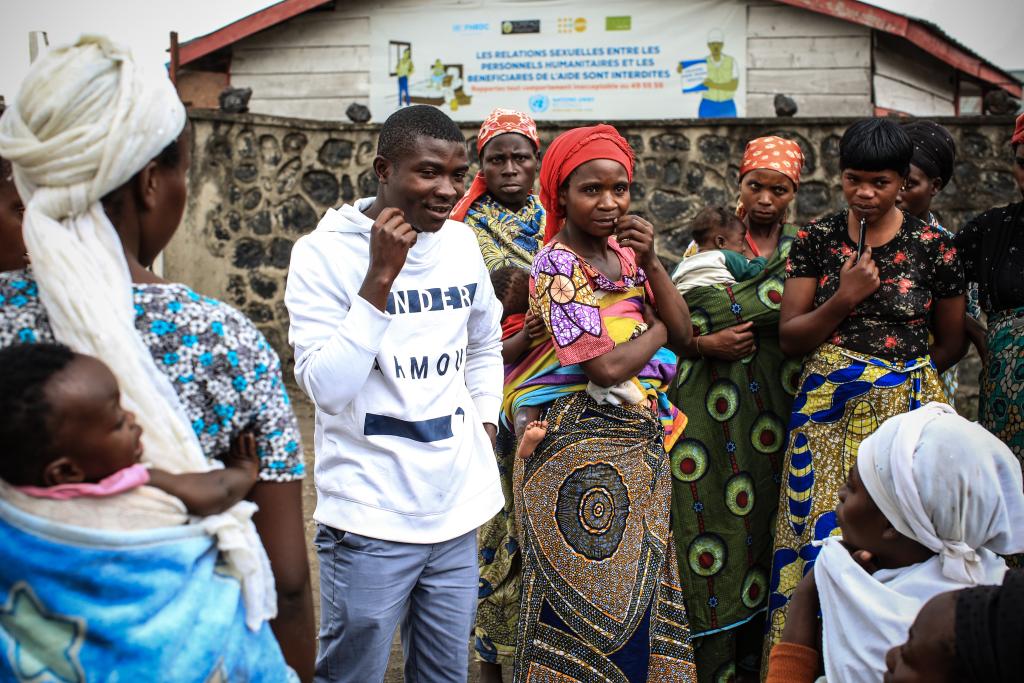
(949, 485)
(85, 121)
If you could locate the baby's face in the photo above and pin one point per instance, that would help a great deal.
(732, 239)
(90, 426)
(928, 654)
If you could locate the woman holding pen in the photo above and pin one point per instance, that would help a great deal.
(864, 288)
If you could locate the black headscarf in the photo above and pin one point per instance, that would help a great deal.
(990, 631)
(934, 149)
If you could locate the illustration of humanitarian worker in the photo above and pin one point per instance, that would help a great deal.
(437, 74)
(722, 80)
(403, 71)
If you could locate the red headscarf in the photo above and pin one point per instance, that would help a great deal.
(1018, 131)
(566, 153)
(499, 122)
(775, 154)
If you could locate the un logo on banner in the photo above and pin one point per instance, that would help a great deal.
(539, 103)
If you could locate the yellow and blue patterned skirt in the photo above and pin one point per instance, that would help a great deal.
(843, 397)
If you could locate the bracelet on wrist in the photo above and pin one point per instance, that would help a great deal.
(697, 342)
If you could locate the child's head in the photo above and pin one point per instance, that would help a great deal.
(512, 287)
(972, 635)
(928, 483)
(717, 228)
(61, 419)
(929, 655)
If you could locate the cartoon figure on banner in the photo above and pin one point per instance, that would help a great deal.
(443, 85)
(716, 77)
(447, 89)
(437, 74)
(400, 65)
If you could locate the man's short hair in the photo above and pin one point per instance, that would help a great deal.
(876, 145)
(398, 134)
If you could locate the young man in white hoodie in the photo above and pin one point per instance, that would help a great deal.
(397, 340)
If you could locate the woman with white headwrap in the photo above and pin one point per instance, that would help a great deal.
(100, 151)
(930, 502)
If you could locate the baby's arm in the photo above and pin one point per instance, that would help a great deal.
(513, 348)
(210, 493)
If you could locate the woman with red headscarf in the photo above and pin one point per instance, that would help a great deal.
(500, 204)
(738, 390)
(508, 220)
(601, 593)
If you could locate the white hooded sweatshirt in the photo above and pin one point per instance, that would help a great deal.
(401, 397)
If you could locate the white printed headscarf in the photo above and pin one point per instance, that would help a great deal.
(85, 121)
(947, 483)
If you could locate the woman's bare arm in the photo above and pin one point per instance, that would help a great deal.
(949, 332)
(626, 360)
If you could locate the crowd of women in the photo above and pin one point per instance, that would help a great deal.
(710, 470)
(786, 375)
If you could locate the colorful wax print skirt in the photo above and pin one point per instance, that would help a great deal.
(497, 611)
(725, 488)
(843, 397)
(601, 595)
(1001, 403)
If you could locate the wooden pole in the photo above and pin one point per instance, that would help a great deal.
(174, 58)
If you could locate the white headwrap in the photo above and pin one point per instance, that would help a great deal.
(949, 485)
(85, 121)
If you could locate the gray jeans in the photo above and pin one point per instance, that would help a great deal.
(369, 586)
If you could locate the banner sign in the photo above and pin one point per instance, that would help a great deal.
(561, 60)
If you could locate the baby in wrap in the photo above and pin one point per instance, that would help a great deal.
(721, 244)
(68, 436)
(926, 508)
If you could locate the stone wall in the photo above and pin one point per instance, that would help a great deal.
(259, 183)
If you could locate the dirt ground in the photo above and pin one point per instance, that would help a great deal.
(304, 411)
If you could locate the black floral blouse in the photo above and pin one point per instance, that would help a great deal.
(225, 374)
(916, 267)
(992, 250)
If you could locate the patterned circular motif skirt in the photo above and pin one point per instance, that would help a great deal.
(601, 594)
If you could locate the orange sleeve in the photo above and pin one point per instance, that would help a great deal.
(792, 663)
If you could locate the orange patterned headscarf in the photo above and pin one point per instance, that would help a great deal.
(775, 154)
(499, 122)
(569, 151)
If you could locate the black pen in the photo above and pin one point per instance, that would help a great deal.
(860, 239)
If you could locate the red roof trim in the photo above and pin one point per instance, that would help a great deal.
(233, 32)
(916, 32)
